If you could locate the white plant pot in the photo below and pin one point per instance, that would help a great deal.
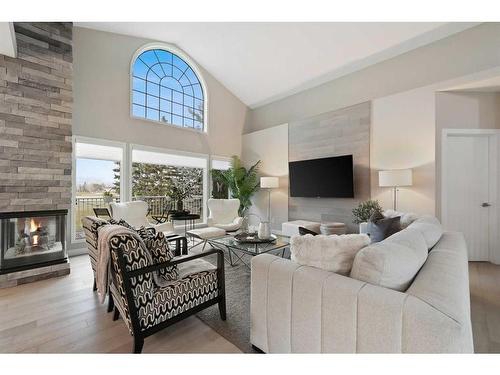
(363, 228)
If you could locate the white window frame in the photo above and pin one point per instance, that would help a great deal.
(124, 178)
(189, 61)
(206, 157)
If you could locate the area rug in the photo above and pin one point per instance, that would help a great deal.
(236, 328)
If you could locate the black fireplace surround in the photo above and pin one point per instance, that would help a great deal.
(32, 239)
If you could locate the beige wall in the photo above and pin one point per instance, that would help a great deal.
(102, 100)
(271, 147)
(403, 93)
(403, 137)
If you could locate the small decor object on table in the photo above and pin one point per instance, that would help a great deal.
(246, 237)
(363, 212)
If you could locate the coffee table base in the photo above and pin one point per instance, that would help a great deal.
(232, 252)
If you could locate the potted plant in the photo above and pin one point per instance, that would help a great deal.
(242, 182)
(363, 212)
(107, 196)
(183, 187)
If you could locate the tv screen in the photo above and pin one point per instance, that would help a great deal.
(325, 178)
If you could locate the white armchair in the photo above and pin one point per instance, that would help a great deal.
(224, 214)
(135, 213)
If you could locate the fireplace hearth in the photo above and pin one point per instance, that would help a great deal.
(32, 239)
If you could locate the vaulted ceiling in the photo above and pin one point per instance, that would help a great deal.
(262, 62)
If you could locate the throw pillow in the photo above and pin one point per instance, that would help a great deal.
(331, 253)
(303, 231)
(380, 227)
(406, 217)
(157, 245)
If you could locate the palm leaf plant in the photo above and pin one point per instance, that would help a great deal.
(242, 182)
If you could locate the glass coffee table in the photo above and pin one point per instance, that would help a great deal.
(228, 244)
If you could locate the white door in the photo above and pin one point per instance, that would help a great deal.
(469, 190)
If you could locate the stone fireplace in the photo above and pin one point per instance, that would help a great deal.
(36, 98)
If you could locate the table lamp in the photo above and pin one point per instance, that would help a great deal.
(395, 178)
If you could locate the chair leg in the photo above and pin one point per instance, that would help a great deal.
(94, 288)
(116, 314)
(184, 246)
(138, 344)
(222, 308)
(111, 303)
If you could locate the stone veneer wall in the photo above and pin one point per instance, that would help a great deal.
(36, 95)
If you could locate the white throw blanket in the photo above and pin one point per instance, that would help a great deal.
(103, 264)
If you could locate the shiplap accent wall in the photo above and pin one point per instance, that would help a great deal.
(341, 132)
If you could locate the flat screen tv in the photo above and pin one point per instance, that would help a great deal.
(322, 178)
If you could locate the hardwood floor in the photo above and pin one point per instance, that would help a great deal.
(485, 306)
(63, 315)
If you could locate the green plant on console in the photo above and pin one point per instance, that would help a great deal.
(364, 211)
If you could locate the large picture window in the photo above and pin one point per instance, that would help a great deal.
(165, 88)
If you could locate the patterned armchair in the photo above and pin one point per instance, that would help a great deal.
(147, 308)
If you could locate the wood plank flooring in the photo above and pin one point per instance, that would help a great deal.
(485, 306)
(62, 315)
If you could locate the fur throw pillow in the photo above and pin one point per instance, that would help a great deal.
(330, 253)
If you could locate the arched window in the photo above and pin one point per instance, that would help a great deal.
(165, 88)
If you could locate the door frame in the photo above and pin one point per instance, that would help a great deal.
(493, 192)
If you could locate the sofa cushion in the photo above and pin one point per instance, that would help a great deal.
(431, 229)
(331, 253)
(392, 263)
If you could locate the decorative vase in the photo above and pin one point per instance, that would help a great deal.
(363, 228)
(180, 205)
(264, 230)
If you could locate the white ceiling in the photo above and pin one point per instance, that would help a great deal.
(262, 62)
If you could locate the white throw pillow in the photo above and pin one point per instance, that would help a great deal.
(392, 263)
(331, 253)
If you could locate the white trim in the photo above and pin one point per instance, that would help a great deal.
(123, 176)
(191, 63)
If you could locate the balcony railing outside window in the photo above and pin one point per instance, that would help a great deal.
(157, 204)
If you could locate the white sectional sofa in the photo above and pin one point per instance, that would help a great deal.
(301, 309)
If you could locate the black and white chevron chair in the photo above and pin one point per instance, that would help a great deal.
(147, 308)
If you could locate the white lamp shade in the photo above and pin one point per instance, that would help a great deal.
(269, 182)
(395, 177)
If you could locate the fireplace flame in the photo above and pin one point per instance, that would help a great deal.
(33, 228)
(33, 225)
